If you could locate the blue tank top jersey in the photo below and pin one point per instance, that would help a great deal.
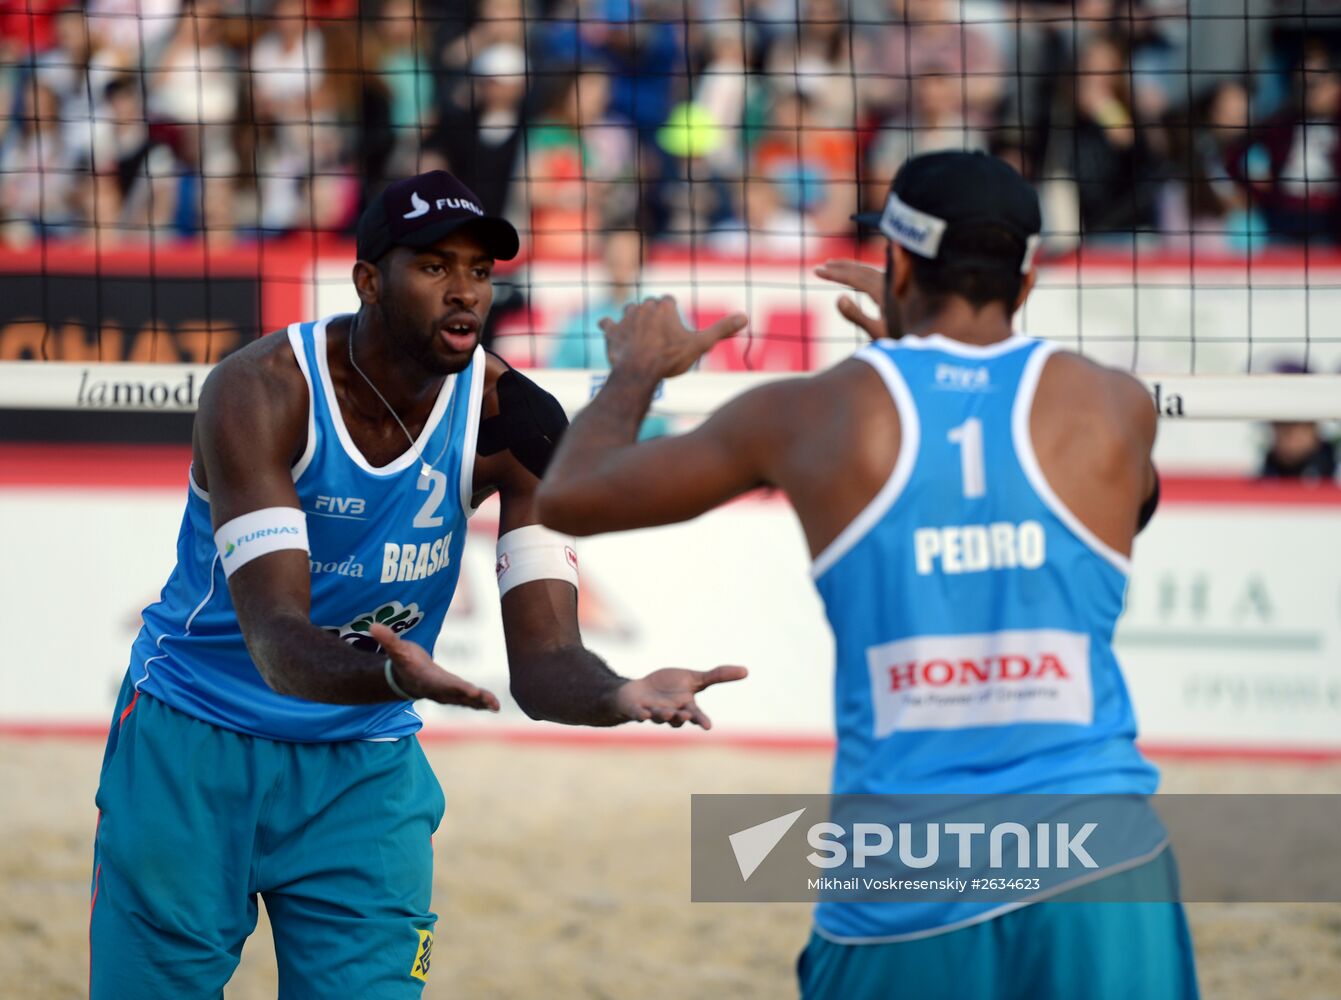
(385, 547)
(973, 614)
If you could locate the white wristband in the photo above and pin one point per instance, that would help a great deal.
(271, 529)
(391, 682)
(535, 553)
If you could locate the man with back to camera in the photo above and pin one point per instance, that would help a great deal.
(263, 741)
(965, 492)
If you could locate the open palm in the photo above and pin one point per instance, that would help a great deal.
(667, 695)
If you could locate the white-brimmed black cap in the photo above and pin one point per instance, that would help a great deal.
(939, 201)
(419, 211)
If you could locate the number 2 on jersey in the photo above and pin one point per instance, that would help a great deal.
(968, 436)
(436, 483)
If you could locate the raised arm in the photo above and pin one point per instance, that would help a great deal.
(603, 479)
(250, 427)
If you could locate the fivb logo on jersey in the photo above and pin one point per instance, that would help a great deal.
(963, 379)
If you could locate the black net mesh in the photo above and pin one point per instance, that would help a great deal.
(178, 177)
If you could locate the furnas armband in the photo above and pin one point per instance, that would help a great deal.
(271, 529)
(535, 553)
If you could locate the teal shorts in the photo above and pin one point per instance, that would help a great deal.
(1046, 951)
(196, 821)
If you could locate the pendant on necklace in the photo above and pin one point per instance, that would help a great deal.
(424, 471)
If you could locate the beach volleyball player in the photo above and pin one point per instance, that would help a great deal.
(966, 493)
(263, 742)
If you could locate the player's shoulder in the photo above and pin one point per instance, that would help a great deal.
(261, 378)
(1086, 375)
(1112, 398)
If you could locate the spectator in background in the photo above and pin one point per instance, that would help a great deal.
(704, 186)
(76, 71)
(1154, 36)
(707, 140)
(289, 106)
(11, 84)
(1216, 208)
(195, 87)
(1157, 46)
(723, 90)
(918, 38)
(138, 30)
(40, 177)
(554, 185)
(407, 77)
(1290, 167)
(1049, 34)
(937, 122)
(134, 169)
(480, 127)
(810, 165)
(640, 45)
(1298, 450)
(1097, 138)
(463, 29)
(581, 343)
(579, 167)
(818, 60)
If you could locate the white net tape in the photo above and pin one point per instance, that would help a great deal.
(176, 388)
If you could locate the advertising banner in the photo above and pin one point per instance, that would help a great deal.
(1231, 640)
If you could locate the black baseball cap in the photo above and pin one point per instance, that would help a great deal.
(941, 204)
(420, 210)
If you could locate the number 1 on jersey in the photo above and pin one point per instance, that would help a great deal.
(968, 436)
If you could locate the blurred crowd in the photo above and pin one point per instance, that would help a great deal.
(732, 124)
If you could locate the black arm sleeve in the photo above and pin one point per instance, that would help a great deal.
(1147, 510)
(529, 423)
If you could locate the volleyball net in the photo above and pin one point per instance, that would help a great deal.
(177, 182)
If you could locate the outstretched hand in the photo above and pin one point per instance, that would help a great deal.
(862, 278)
(419, 677)
(668, 695)
(651, 339)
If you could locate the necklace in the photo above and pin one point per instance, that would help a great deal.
(425, 466)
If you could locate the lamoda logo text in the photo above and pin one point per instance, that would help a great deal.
(136, 394)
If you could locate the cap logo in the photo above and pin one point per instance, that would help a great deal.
(469, 206)
(420, 207)
(1030, 248)
(916, 231)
